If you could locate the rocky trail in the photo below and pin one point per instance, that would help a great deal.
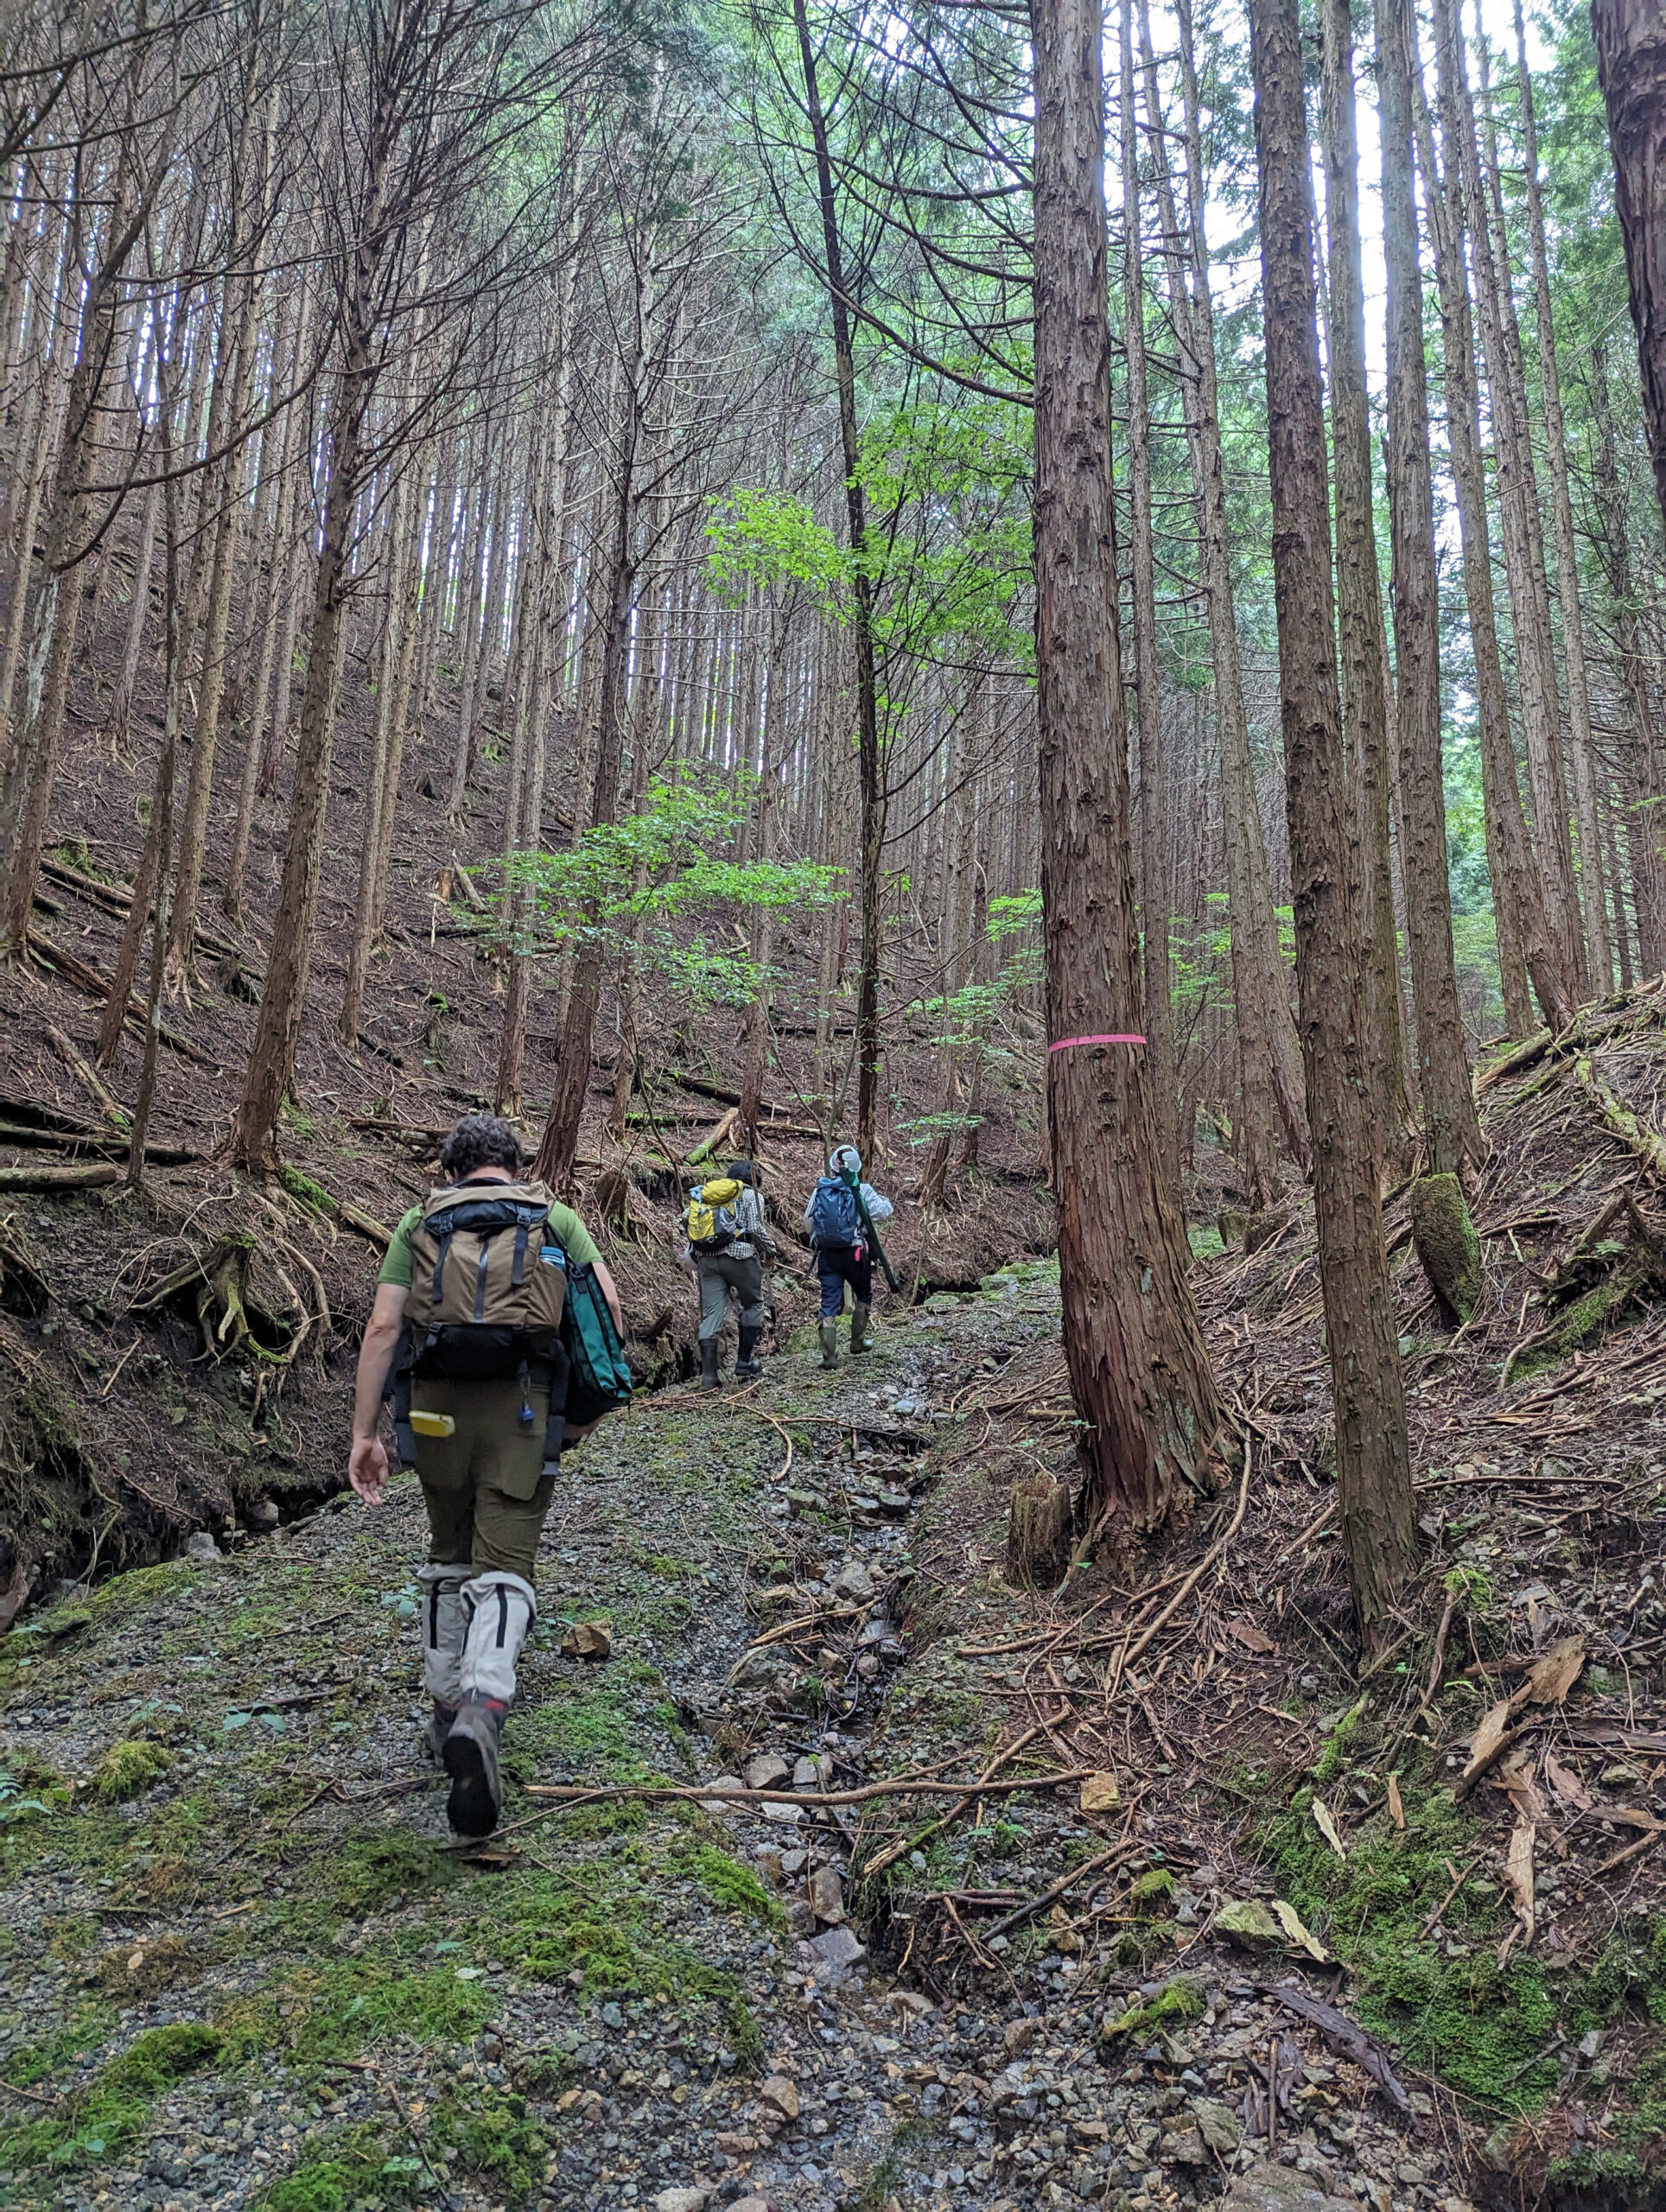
(248, 1966)
(840, 1867)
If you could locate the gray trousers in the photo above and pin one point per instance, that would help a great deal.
(720, 1273)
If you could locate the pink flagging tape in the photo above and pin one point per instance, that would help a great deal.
(1121, 1038)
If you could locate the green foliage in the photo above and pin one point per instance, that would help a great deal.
(633, 887)
(771, 539)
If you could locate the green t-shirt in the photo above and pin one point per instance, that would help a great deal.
(567, 1229)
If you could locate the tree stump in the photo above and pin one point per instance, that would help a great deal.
(1446, 1242)
(1038, 1532)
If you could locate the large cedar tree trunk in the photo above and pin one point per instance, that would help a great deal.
(1139, 1373)
(1631, 66)
(1373, 1463)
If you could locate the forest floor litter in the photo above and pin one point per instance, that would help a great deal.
(835, 1869)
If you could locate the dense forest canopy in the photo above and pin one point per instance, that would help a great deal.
(665, 414)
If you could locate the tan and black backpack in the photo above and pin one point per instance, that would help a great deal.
(488, 1282)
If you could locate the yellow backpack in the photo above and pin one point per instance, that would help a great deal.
(712, 1224)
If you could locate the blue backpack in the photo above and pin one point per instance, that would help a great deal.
(834, 1218)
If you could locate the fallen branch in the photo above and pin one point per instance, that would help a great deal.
(1647, 1144)
(1027, 1911)
(87, 1077)
(900, 1786)
(1524, 1056)
(57, 1179)
(85, 977)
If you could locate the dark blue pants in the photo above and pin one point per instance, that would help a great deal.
(838, 1265)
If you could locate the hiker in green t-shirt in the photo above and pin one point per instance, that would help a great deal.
(485, 1452)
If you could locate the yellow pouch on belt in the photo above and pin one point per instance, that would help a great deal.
(433, 1424)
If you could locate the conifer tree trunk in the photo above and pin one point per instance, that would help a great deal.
(575, 1047)
(1640, 754)
(1373, 1462)
(1582, 745)
(1451, 1127)
(1535, 673)
(1140, 1375)
(868, 730)
(1158, 972)
(1271, 1059)
(1526, 941)
(1364, 675)
(1631, 66)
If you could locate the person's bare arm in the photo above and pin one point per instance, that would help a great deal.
(610, 1292)
(368, 1462)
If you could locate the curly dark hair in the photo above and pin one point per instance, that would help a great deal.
(479, 1140)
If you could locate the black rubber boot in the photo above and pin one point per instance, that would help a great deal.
(828, 1332)
(471, 1760)
(860, 1339)
(710, 1378)
(746, 1362)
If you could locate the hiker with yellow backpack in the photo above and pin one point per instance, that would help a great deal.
(497, 1332)
(728, 1240)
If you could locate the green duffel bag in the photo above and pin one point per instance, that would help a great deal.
(598, 1375)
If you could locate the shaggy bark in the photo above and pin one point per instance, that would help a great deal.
(1373, 1463)
(1140, 1375)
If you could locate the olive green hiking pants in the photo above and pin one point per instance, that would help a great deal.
(483, 1485)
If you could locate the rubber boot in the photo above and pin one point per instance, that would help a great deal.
(471, 1760)
(829, 1333)
(443, 1628)
(499, 1608)
(860, 1339)
(710, 1378)
(746, 1362)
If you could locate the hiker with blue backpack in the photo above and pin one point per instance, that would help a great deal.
(497, 1333)
(728, 1240)
(840, 1217)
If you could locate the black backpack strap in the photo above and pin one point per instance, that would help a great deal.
(518, 1273)
(436, 1289)
(480, 1275)
(396, 1389)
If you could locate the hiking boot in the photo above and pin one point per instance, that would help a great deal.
(860, 1339)
(471, 1760)
(746, 1362)
(710, 1378)
(829, 1333)
(436, 1729)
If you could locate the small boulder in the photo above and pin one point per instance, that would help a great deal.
(827, 1895)
(1247, 1921)
(810, 1774)
(587, 1640)
(769, 1771)
(1019, 2035)
(838, 1948)
(855, 1584)
(682, 2200)
(202, 1549)
(1218, 2125)
(723, 1804)
(781, 2095)
(262, 1515)
(1267, 2188)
